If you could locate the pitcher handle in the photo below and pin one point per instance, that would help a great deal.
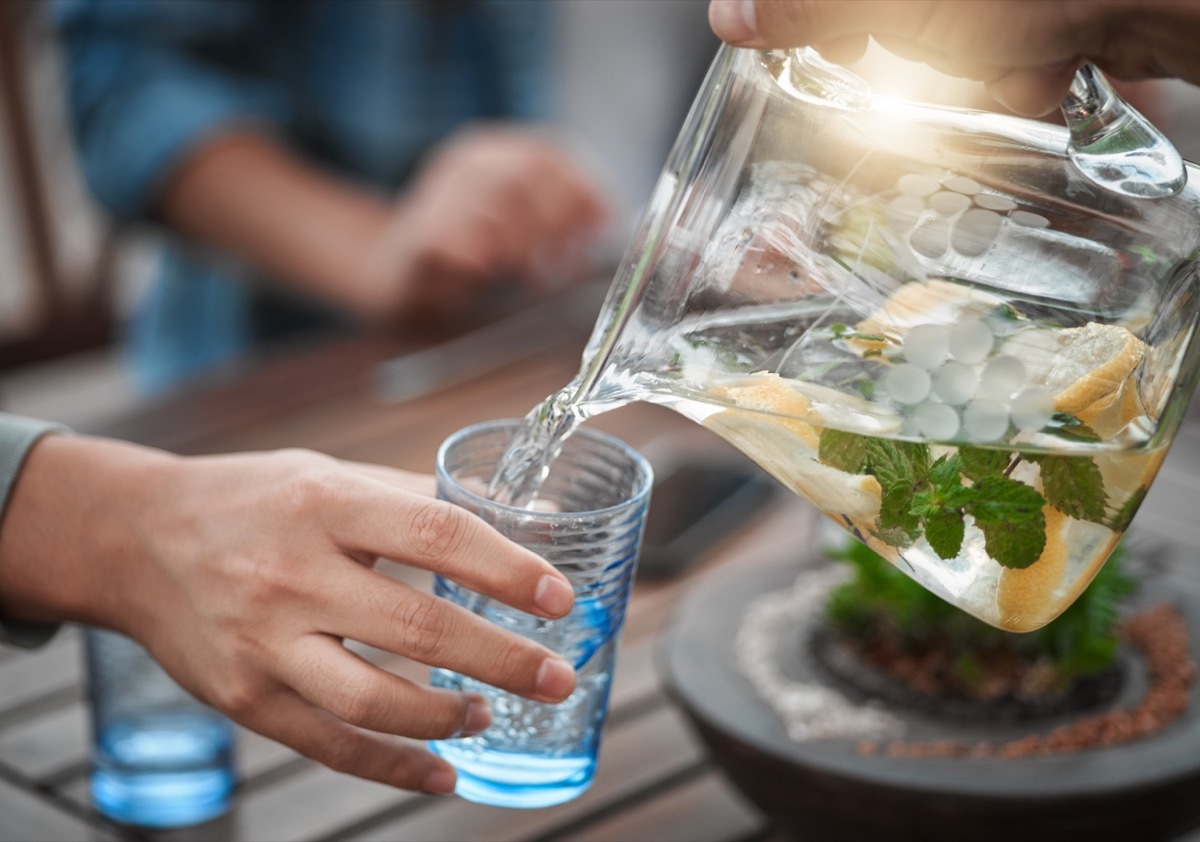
(1114, 146)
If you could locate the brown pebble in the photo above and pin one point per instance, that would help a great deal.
(1160, 636)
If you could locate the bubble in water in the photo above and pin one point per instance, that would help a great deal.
(907, 383)
(1033, 408)
(926, 346)
(955, 382)
(985, 419)
(970, 340)
(936, 421)
(1001, 377)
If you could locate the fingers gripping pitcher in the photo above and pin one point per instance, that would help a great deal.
(968, 339)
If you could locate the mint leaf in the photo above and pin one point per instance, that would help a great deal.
(842, 331)
(944, 472)
(944, 492)
(1121, 519)
(1067, 426)
(898, 525)
(940, 504)
(898, 465)
(944, 531)
(1004, 311)
(1074, 486)
(1003, 498)
(1013, 546)
(979, 462)
(1010, 516)
(844, 451)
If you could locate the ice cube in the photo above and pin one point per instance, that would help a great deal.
(1001, 377)
(985, 419)
(975, 230)
(970, 340)
(927, 346)
(1033, 408)
(995, 202)
(947, 203)
(936, 421)
(931, 238)
(955, 382)
(962, 184)
(907, 383)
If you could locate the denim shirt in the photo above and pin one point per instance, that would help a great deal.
(362, 87)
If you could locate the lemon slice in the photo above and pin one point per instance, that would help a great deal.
(767, 424)
(1082, 367)
(1029, 598)
(926, 302)
(1025, 597)
(770, 393)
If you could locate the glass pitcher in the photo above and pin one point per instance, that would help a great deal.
(937, 325)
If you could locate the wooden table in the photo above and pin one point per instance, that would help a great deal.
(654, 782)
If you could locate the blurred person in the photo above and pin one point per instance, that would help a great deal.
(1025, 52)
(330, 148)
(322, 164)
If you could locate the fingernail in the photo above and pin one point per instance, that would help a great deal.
(479, 717)
(440, 781)
(733, 20)
(553, 596)
(555, 679)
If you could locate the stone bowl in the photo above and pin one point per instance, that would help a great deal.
(828, 789)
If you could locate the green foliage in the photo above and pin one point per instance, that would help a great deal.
(928, 497)
(880, 600)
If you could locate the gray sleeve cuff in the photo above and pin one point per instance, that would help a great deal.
(17, 436)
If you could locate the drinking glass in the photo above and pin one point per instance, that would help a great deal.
(587, 522)
(160, 758)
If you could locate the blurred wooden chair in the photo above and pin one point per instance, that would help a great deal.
(54, 302)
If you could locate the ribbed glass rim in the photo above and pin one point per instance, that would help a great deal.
(644, 481)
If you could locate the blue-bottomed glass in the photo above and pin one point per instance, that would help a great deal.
(535, 754)
(160, 758)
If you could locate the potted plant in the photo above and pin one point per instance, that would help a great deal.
(848, 702)
(884, 630)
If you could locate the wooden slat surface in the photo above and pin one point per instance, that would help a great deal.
(29, 817)
(654, 781)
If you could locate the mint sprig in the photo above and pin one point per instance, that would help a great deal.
(1009, 514)
(979, 462)
(1074, 486)
(932, 498)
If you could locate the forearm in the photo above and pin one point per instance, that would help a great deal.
(69, 543)
(245, 193)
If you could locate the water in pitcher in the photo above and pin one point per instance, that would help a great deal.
(963, 364)
(996, 460)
